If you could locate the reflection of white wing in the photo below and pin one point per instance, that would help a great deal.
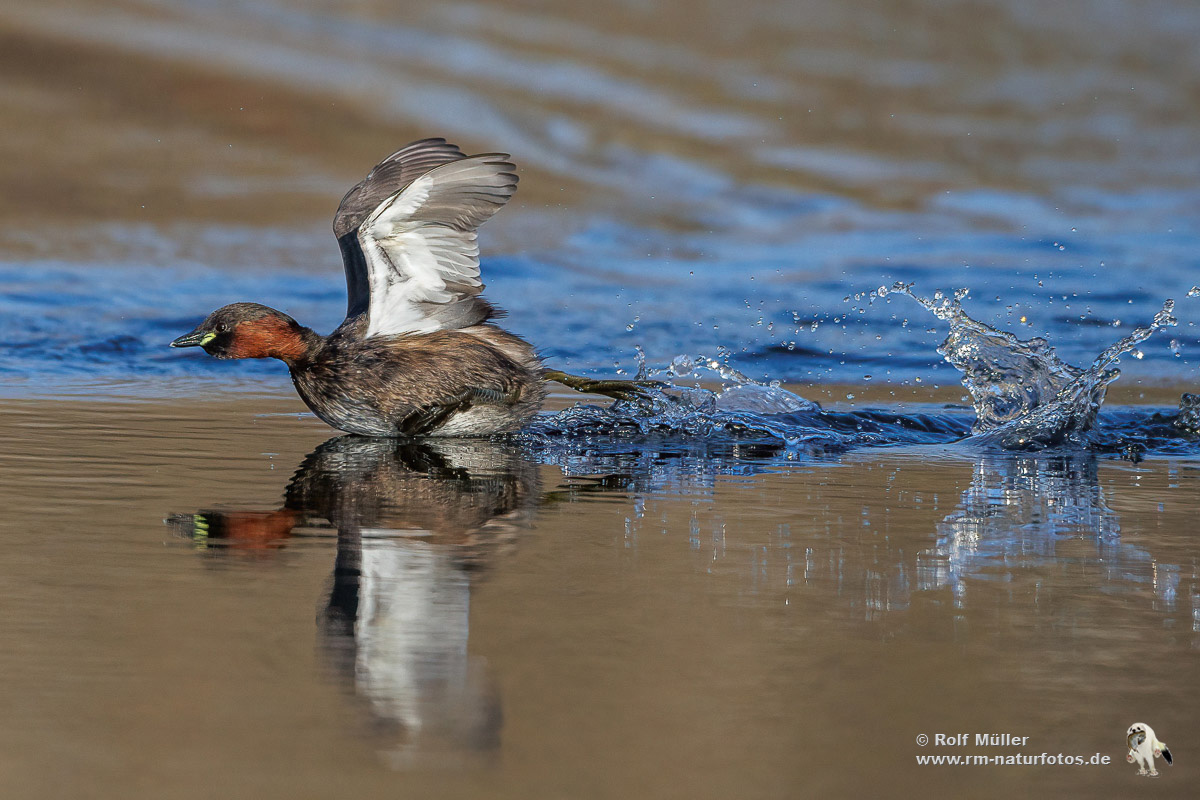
(411, 632)
(420, 248)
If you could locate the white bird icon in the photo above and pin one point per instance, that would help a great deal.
(1144, 747)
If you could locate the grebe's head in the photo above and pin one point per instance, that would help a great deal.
(247, 330)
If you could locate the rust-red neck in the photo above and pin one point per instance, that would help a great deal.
(273, 337)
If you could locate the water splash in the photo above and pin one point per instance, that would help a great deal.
(1073, 410)
(1024, 398)
(1024, 395)
(740, 393)
(1007, 377)
(741, 409)
(1188, 419)
(741, 406)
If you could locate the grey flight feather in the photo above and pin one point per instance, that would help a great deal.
(467, 193)
(390, 176)
(419, 253)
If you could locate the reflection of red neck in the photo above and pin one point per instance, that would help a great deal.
(271, 337)
(256, 530)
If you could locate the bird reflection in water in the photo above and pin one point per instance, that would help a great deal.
(416, 523)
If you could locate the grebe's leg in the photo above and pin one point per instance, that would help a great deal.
(618, 390)
(426, 418)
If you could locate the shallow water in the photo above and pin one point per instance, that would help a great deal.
(725, 591)
(721, 182)
(217, 599)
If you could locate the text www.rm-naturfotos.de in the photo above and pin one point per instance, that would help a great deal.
(997, 740)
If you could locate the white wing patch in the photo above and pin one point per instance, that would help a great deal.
(420, 243)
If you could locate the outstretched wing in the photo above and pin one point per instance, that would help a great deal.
(420, 250)
(389, 176)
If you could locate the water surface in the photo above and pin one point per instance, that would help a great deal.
(731, 591)
(222, 600)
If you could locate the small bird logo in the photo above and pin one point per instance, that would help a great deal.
(1144, 747)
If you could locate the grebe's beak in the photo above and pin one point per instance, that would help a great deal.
(194, 339)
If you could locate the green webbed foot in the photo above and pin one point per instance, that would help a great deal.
(618, 390)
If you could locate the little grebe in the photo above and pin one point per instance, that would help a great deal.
(417, 353)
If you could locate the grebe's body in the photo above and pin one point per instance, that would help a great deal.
(466, 382)
(417, 353)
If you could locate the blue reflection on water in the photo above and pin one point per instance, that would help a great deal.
(772, 280)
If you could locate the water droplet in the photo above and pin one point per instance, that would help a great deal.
(681, 366)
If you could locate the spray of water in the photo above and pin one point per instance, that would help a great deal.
(740, 405)
(1025, 396)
